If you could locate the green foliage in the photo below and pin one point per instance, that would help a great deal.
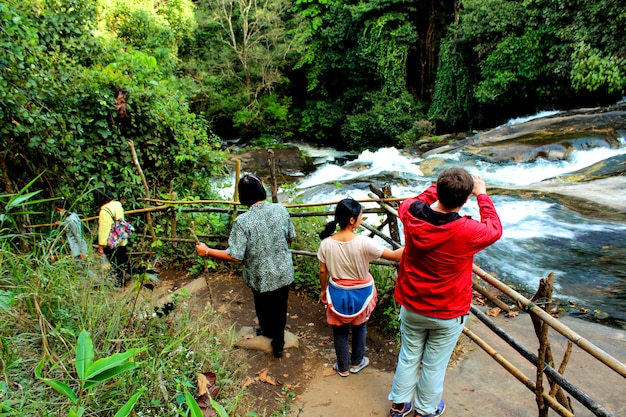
(51, 302)
(514, 64)
(385, 121)
(516, 57)
(92, 373)
(453, 99)
(240, 72)
(594, 71)
(75, 102)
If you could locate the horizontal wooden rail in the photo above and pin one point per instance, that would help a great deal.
(578, 394)
(516, 372)
(529, 306)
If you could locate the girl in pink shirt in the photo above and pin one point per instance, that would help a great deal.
(348, 289)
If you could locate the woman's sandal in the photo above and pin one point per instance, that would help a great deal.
(357, 368)
(341, 373)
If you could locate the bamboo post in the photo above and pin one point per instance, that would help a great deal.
(544, 293)
(173, 221)
(384, 205)
(394, 231)
(375, 231)
(495, 300)
(145, 186)
(557, 375)
(236, 193)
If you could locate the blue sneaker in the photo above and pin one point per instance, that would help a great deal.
(400, 409)
(441, 407)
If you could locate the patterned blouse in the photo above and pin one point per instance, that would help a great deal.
(259, 238)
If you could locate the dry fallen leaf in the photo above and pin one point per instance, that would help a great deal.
(206, 384)
(247, 381)
(512, 314)
(264, 377)
(494, 312)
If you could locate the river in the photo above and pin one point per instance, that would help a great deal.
(587, 256)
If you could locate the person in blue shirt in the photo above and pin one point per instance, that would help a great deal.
(73, 229)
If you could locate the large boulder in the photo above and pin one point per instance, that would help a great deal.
(552, 137)
(290, 163)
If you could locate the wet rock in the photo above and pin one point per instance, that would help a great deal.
(552, 137)
(291, 164)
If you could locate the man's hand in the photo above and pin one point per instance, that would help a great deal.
(479, 185)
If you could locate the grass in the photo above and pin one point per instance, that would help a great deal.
(46, 301)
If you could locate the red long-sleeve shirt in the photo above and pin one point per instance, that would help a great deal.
(435, 273)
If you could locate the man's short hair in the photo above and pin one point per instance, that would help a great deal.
(251, 190)
(454, 186)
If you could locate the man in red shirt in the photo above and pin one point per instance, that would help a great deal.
(434, 285)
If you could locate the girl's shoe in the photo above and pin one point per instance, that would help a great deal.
(400, 409)
(341, 373)
(357, 368)
(441, 407)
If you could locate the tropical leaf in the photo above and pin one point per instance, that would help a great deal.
(194, 408)
(84, 354)
(76, 413)
(99, 378)
(128, 407)
(101, 365)
(221, 411)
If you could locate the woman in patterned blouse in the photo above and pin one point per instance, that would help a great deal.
(260, 239)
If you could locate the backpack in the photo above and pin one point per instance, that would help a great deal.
(120, 230)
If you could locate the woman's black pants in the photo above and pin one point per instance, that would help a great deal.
(271, 310)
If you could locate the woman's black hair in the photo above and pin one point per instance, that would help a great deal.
(346, 209)
(251, 190)
(61, 203)
(101, 197)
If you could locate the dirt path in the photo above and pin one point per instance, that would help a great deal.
(475, 385)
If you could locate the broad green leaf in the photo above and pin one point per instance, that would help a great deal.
(19, 200)
(61, 388)
(84, 354)
(74, 413)
(128, 407)
(193, 405)
(112, 361)
(108, 374)
(38, 369)
(221, 411)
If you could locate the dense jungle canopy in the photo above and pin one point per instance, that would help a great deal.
(81, 78)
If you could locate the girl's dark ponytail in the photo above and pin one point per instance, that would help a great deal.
(329, 229)
(346, 209)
